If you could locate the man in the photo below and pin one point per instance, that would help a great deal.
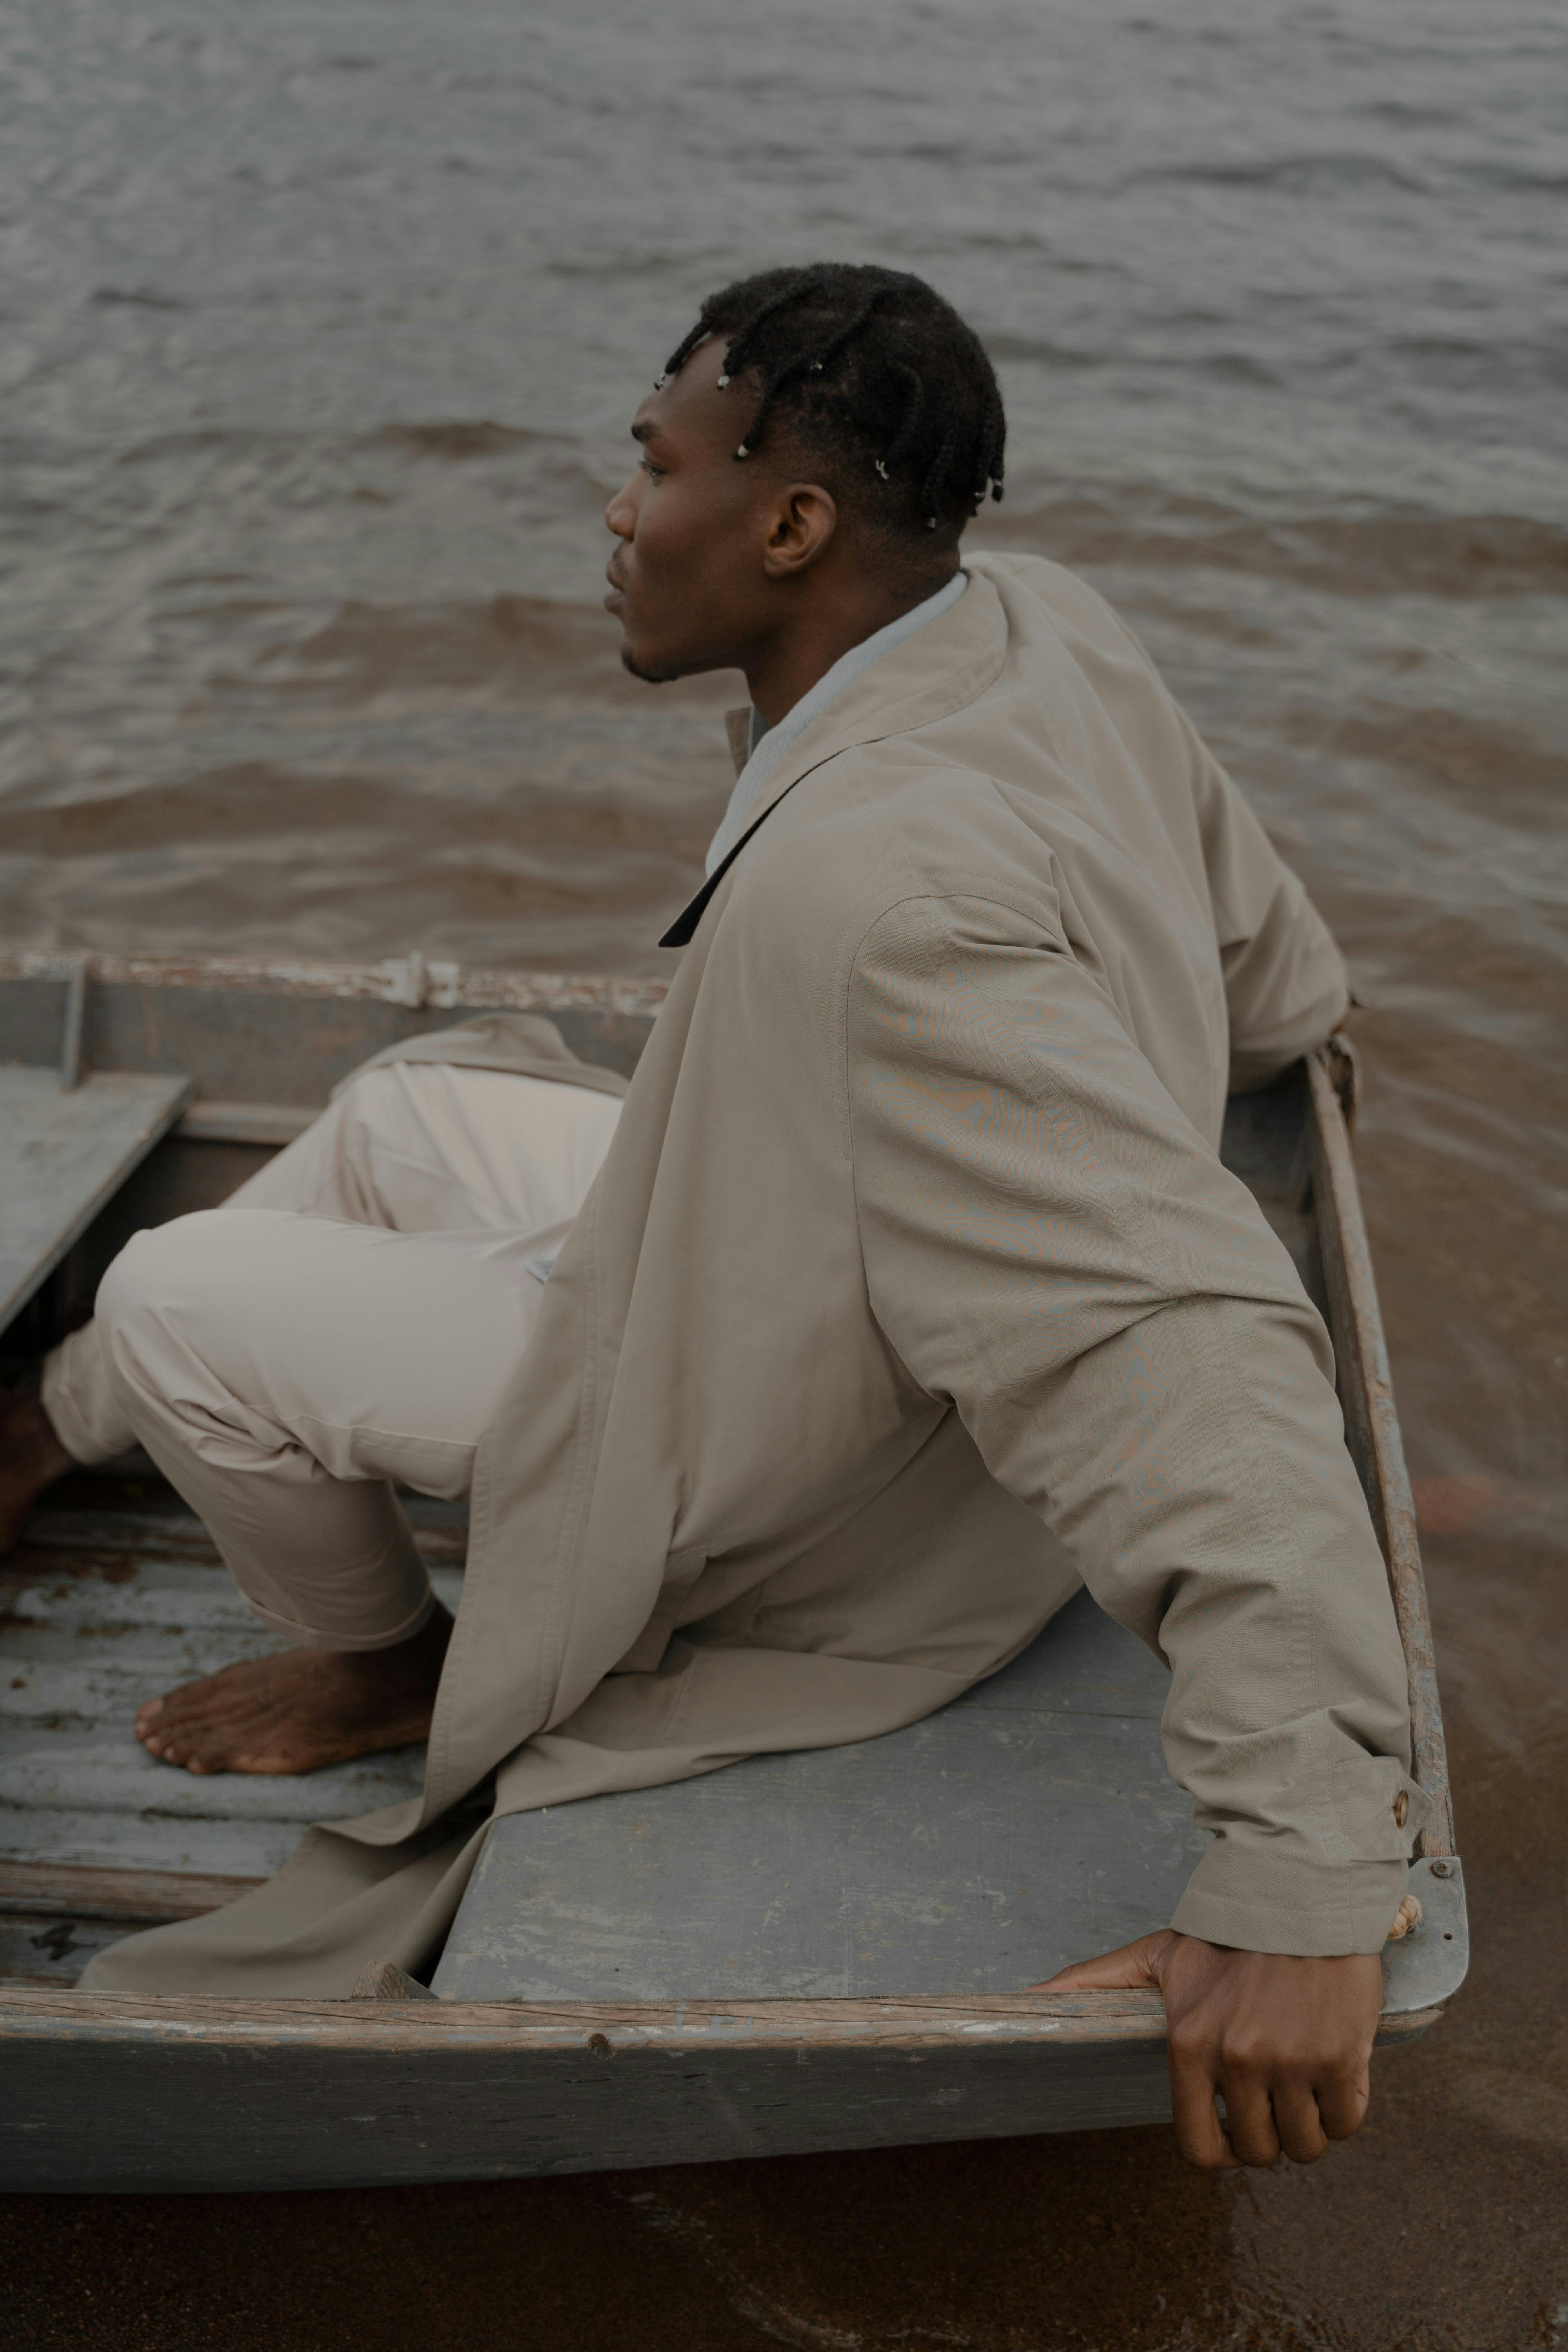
(911, 1290)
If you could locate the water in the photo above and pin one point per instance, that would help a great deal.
(320, 329)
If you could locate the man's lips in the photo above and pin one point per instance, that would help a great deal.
(616, 596)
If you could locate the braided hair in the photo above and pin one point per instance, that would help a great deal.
(872, 370)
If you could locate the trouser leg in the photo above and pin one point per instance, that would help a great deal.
(283, 1371)
(414, 1147)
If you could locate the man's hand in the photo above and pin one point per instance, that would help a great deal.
(1288, 2041)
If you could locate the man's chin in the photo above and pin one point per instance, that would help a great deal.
(651, 673)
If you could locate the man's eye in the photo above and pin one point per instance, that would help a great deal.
(649, 467)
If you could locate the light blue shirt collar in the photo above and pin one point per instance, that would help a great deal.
(769, 744)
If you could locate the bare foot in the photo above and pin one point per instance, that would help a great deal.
(31, 1458)
(302, 1708)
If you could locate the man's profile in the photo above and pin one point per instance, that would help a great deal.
(905, 1292)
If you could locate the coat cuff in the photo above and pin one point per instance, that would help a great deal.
(1318, 1910)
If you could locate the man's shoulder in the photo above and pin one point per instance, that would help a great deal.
(876, 826)
(1034, 588)
(993, 796)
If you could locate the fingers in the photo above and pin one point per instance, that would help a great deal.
(1133, 1968)
(1198, 2132)
(1343, 2099)
(1298, 2122)
(1286, 2041)
(1249, 2118)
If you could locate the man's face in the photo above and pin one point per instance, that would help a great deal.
(694, 578)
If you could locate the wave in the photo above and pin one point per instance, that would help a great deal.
(506, 648)
(454, 439)
(251, 801)
(1479, 764)
(140, 297)
(1457, 556)
(1291, 173)
(1034, 347)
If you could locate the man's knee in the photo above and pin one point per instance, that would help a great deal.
(160, 1273)
(375, 1105)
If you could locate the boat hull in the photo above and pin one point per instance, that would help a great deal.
(118, 2092)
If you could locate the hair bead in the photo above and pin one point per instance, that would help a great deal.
(918, 397)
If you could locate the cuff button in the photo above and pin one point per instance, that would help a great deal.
(1401, 1809)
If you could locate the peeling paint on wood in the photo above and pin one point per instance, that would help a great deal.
(65, 1152)
(408, 980)
(143, 1897)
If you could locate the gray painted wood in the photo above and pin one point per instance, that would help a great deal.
(238, 2113)
(1029, 1823)
(122, 2092)
(98, 1614)
(52, 1948)
(64, 1153)
(270, 1033)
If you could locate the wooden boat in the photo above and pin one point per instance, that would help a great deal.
(801, 1952)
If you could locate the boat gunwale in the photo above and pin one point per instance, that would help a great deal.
(1372, 1422)
(1083, 2022)
(415, 981)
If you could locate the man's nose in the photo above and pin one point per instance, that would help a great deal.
(621, 514)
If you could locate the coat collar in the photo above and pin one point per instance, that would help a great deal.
(738, 735)
(932, 674)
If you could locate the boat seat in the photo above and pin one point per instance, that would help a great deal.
(63, 1152)
(1029, 1823)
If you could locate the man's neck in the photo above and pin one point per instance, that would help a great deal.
(788, 664)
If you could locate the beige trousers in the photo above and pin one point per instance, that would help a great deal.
(348, 1320)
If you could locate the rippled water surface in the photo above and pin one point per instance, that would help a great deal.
(320, 328)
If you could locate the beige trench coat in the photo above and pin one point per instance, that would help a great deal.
(913, 1293)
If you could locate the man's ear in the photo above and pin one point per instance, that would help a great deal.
(801, 529)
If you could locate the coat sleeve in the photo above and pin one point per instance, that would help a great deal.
(1050, 1246)
(1285, 980)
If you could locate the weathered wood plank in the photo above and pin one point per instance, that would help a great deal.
(1084, 2017)
(274, 1124)
(63, 1152)
(235, 2115)
(301, 2094)
(413, 979)
(1031, 1823)
(139, 1897)
(279, 1031)
(55, 1918)
(384, 1980)
(1372, 1429)
(101, 1612)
